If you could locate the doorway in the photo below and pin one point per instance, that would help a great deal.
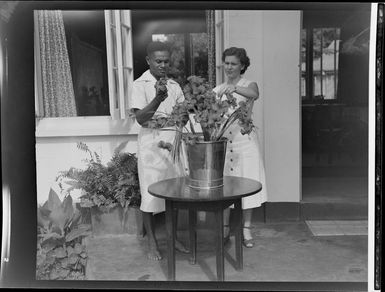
(334, 90)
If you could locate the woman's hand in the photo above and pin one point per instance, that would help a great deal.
(227, 89)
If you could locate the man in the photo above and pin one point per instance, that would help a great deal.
(153, 94)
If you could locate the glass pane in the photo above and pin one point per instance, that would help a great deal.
(88, 60)
(179, 61)
(112, 17)
(336, 49)
(125, 83)
(124, 32)
(222, 38)
(114, 47)
(199, 44)
(303, 63)
(317, 65)
(326, 47)
(124, 17)
(116, 88)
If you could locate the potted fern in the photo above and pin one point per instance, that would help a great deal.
(110, 192)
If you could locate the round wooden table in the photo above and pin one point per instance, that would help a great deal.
(179, 195)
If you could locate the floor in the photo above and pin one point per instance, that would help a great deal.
(318, 249)
(285, 251)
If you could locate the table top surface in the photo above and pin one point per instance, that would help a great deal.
(178, 189)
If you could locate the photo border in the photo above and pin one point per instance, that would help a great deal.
(20, 272)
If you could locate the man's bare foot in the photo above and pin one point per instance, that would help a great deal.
(180, 247)
(154, 254)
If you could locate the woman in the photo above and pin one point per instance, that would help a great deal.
(243, 156)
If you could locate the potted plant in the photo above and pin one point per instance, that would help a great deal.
(110, 192)
(206, 148)
(61, 253)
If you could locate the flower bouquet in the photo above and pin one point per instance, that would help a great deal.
(206, 148)
(202, 105)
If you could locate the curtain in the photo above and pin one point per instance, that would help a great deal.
(57, 87)
(210, 23)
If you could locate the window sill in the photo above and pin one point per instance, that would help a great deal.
(85, 126)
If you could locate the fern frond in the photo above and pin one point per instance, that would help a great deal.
(97, 156)
(82, 146)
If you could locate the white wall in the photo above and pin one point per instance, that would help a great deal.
(245, 29)
(272, 40)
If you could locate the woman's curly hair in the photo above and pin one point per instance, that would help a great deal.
(240, 53)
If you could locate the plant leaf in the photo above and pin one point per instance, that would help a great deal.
(60, 252)
(77, 233)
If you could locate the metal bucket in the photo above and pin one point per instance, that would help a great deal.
(206, 160)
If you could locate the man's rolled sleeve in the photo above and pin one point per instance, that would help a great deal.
(138, 96)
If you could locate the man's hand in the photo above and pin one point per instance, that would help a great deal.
(161, 89)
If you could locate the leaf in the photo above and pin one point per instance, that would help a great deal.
(43, 217)
(40, 259)
(60, 252)
(76, 217)
(120, 147)
(50, 258)
(78, 248)
(70, 250)
(53, 275)
(77, 233)
(64, 263)
(82, 146)
(52, 243)
(83, 262)
(53, 201)
(73, 258)
(75, 184)
(63, 273)
(50, 235)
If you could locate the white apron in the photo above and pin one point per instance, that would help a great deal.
(154, 164)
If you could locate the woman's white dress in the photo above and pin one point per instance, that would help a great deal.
(243, 155)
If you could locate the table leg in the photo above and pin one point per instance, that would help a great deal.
(170, 233)
(220, 248)
(193, 235)
(238, 233)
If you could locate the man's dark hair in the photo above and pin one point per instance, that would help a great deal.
(240, 53)
(157, 47)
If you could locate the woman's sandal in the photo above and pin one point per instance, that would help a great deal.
(247, 242)
(226, 239)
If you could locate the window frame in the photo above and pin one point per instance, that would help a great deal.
(118, 122)
(221, 42)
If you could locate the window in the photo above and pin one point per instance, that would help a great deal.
(319, 63)
(119, 59)
(101, 46)
(100, 58)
